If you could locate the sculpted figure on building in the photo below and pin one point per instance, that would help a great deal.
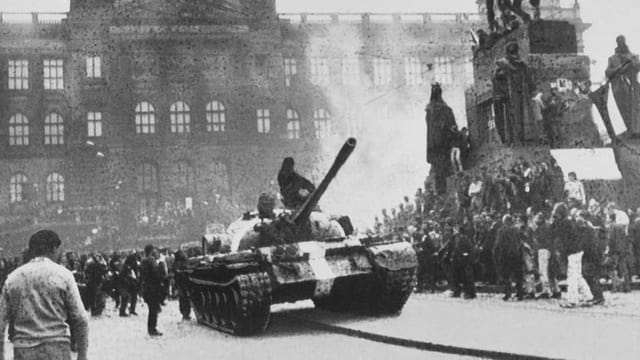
(513, 89)
(622, 71)
(440, 122)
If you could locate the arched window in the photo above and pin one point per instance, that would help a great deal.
(322, 123)
(18, 130)
(180, 118)
(145, 118)
(55, 188)
(17, 185)
(54, 129)
(293, 124)
(216, 117)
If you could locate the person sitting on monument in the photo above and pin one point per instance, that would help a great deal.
(622, 71)
(513, 89)
(294, 188)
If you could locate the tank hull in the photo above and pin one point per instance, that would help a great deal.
(233, 292)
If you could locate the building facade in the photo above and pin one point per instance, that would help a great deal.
(125, 114)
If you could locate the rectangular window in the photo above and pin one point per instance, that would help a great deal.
(264, 121)
(94, 124)
(350, 71)
(18, 74)
(94, 67)
(443, 69)
(381, 72)
(320, 71)
(290, 69)
(413, 71)
(53, 74)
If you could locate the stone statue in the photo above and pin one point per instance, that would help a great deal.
(622, 72)
(440, 120)
(513, 89)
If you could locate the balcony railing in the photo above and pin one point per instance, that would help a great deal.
(45, 18)
(378, 18)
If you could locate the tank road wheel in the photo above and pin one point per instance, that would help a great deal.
(395, 288)
(252, 304)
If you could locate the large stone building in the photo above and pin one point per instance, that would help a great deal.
(120, 110)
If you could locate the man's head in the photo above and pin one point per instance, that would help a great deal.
(560, 212)
(513, 50)
(572, 176)
(149, 250)
(44, 243)
(621, 40)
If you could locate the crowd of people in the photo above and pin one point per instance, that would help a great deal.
(525, 227)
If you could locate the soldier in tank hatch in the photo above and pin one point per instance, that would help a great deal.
(294, 188)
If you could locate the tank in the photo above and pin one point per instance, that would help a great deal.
(297, 255)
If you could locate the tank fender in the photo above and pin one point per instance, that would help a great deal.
(395, 256)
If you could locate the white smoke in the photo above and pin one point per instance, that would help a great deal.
(390, 159)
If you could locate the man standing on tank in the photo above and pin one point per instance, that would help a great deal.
(153, 278)
(294, 188)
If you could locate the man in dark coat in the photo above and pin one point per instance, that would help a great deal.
(440, 120)
(593, 256)
(95, 271)
(622, 70)
(294, 188)
(128, 285)
(460, 256)
(513, 89)
(152, 277)
(179, 265)
(508, 252)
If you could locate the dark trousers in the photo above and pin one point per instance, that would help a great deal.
(183, 303)
(463, 275)
(153, 304)
(512, 271)
(128, 297)
(591, 273)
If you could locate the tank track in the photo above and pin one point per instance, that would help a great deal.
(396, 286)
(240, 307)
(385, 292)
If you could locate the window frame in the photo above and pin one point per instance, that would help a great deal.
(17, 186)
(53, 74)
(290, 70)
(145, 118)
(322, 123)
(94, 124)
(293, 125)
(54, 187)
(23, 125)
(263, 119)
(54, 131)
(18, 73)
(93, 67)
(180, 118)
(216, 117)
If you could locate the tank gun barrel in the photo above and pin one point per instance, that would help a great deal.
(314, 198)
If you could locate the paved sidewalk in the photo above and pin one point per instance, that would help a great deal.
(534, 328)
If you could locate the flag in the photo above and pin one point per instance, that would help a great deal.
(600, 98)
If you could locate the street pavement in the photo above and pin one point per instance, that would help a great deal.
(533, 328)
(116, 338)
